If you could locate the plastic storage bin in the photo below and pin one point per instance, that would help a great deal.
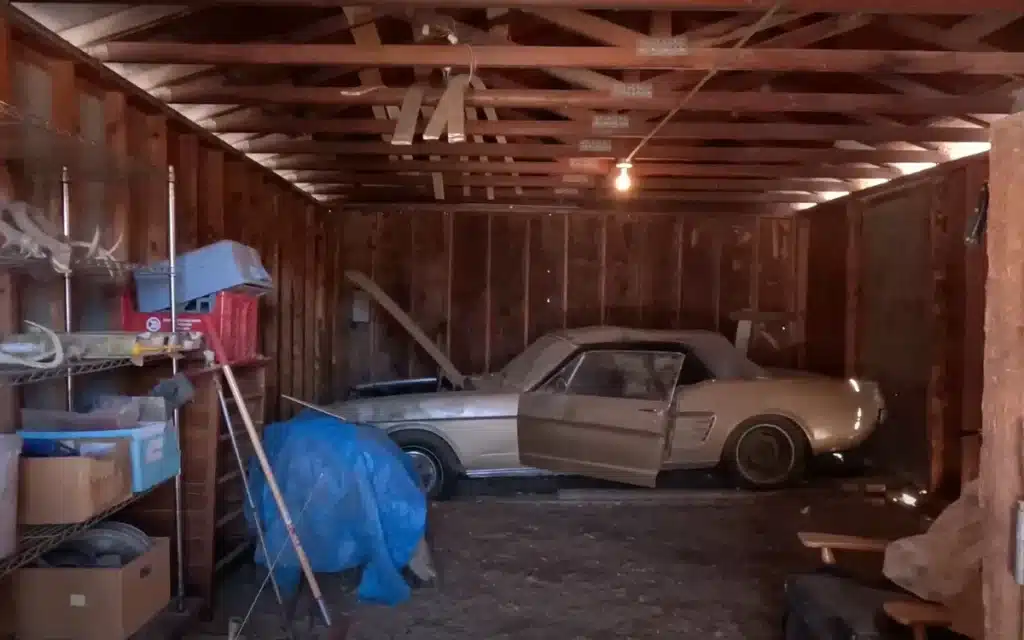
(221, 266)
(10, 453)
(233, 317)
(154, 448)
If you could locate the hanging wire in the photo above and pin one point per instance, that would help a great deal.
(757, 26)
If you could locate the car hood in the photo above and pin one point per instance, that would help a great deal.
(440, 405)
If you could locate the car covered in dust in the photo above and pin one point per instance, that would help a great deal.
(617, 404)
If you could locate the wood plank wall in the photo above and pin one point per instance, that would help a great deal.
(485, 285)
(864, 257)
(220, 194)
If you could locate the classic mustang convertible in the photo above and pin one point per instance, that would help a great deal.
(618, 404)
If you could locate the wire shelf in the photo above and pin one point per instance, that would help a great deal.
(46, 150)
(16, 376)
(92, 268)
(34, 541)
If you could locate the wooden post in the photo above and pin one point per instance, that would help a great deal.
(9, 313)
(1002, 402)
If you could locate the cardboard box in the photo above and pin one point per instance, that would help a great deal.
(66, 490)
(93, 604)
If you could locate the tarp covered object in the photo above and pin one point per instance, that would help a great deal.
(354, 499)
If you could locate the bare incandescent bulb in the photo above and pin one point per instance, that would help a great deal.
(623, 182)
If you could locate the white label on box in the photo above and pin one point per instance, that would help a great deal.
(77, 600)
(154, 450)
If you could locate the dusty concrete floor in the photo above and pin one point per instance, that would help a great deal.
(691, 564)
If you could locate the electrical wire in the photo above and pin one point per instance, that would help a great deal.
(712, 72)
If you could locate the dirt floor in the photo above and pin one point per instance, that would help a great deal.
(600, 564)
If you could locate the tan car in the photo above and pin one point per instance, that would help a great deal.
(618, 404)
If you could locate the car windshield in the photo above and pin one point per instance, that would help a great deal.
(518, 370)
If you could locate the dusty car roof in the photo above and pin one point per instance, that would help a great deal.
(601, 334)
(717, 353)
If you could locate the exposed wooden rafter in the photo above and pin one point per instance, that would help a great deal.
(823, 6)
(504, 56)
(554, 99)
(563, 129)
(616, 149)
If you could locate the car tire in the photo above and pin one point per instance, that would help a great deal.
(766, 452)
(431, 455)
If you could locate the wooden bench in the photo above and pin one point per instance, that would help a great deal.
(918, 615)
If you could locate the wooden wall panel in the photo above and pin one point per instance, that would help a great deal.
(492, 283)
(428, 296)
(736, 280)
(586, 272)
(924, 337)
(546, 275)
(468, 317)
(507, 286)
(392, 271)
(659, 272)
(701, 249)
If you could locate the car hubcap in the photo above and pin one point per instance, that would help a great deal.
(427, 469)
(765, 454)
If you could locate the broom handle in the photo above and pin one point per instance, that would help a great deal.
(286, 518)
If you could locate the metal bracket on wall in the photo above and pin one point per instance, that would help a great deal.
(979, 221)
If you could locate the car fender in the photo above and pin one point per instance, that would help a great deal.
(432, 430)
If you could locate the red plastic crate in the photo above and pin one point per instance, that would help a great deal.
(232, 320)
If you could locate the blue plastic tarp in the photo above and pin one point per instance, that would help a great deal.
(354, 499)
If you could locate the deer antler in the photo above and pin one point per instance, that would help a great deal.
(60, 252)
(56, 353)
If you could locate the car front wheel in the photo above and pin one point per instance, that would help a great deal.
(432, 460)
(767, 452)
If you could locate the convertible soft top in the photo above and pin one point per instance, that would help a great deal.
(717, 353)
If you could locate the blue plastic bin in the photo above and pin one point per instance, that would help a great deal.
(221, 266)
(156, 456)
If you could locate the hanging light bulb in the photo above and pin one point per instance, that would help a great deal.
(623, 182)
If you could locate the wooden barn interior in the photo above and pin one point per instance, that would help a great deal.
(848, 168)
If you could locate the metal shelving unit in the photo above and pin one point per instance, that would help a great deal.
(35, 541)
(39, 148)
(12, 377)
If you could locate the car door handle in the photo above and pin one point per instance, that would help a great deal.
(658, 411)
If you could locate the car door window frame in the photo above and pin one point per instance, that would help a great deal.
(579, 357)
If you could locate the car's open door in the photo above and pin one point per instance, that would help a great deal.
(605, 415)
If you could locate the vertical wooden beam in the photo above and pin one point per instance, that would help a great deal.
(235, 203)
(854, 220)
(64, 116)
(287, 222)
(184, 156)
(938, 219)
(320, 310)
(803, 243)
(1002, 467)
(154, 217)
(117, 197)
(211, 201)
(9, 308)
(308, 242)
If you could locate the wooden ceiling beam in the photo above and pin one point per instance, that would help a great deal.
(316, 177)
(840, 172)
(507, 56)
(367, 193)
(554, 99)
(515, 206)
(822, 6)
(122, 23)
(618, 149)
(561, 129)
